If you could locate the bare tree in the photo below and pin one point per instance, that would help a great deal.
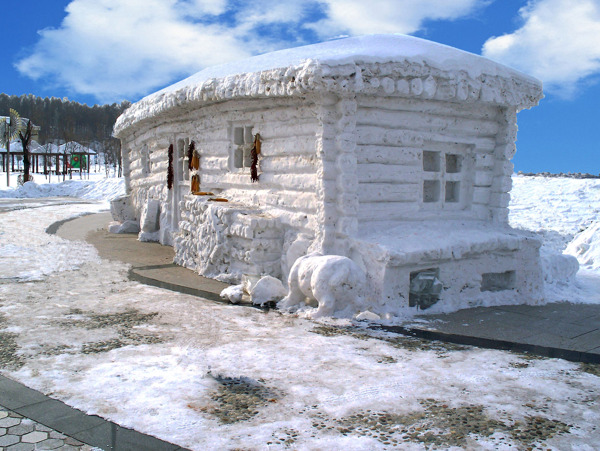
(25, 141)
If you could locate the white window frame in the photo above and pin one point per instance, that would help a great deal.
(447, 179)
(241, 138)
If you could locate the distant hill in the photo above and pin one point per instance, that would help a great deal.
(65, 120)
(62, 121)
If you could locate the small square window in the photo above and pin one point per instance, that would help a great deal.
(453, 163)
(431, 190)
(431, 161)
(452, 191)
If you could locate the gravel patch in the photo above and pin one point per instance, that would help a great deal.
(238, 399)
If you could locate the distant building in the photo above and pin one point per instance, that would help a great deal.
(389, 149)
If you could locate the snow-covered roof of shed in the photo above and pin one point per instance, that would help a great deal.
(417, 67)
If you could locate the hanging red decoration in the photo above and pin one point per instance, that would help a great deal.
(170, 168)
(191, 154)
(254, 158)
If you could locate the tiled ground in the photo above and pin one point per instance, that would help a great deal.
(18, 433)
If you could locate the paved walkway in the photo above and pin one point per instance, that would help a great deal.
(30, 421)
(560, 330)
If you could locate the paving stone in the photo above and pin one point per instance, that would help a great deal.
(21, 447)
(51, 443)
(21, 429)
(34, 437)
(9, 421)
(42, 428)
(72, 441)
(3, 414)
(55, 434)
(7, 440)
(2, 431)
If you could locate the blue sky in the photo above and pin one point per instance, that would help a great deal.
(99, 51)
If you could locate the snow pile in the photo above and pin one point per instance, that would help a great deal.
(556, 208)
(586, 247)
(267, 290)
(103, 189)
(29, 254)
(564, 212)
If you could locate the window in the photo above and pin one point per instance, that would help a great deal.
(243, 140)
(444, 174)
(498, 281)
(425, 288)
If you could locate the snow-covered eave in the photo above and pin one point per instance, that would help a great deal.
(409, 79)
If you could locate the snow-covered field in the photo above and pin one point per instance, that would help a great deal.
(212, 376)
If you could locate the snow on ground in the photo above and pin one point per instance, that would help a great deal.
(94, 186)
(214, 376)
(560, 210)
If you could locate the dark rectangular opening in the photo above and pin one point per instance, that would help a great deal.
(425, 288)
(431, 190)
(431, 161)
(498, 281)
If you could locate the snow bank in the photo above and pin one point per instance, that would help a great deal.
(586, 247)
(556, 208)
(103, 189)
(564, 213)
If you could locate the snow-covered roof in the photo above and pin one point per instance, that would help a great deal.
(417, 67)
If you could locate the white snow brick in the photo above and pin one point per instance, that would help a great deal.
(267, 290)
(122, 210)
(150, 215)
(125, 227)
(233, 294)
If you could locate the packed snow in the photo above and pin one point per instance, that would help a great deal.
(93, 186)
(214, 376)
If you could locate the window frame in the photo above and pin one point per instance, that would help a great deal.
(452, 169)
(240, 146)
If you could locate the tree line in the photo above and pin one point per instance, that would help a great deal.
(64, 121)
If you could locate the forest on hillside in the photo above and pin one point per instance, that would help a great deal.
(63, 121)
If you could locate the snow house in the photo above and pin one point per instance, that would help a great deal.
(388, 149)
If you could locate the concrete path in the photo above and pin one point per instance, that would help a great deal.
(151, 263)
(31, 421)
(560, 329)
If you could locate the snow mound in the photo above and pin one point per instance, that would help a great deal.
(103, 189)
(233, 293)
(267, 289)
(586, 247)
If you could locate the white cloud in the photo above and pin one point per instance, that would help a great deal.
(385, 16)
(114, 49)
(559, 43)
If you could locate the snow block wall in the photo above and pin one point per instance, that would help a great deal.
(390, 150)
(225, 241)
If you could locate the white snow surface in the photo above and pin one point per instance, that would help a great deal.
(154, 360)
(377, 48)
(96, 188)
